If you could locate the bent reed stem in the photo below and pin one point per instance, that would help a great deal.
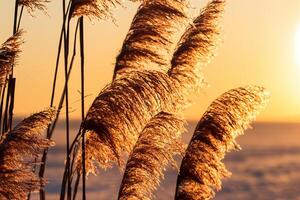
(81, 32)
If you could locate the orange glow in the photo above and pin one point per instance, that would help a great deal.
(258, 48)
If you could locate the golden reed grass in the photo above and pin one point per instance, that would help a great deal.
(155, 148)
(18, 149)
(227, 117)
(33, 5)
(123, 109)
(9, 52)
(152, 37)
(197, 46)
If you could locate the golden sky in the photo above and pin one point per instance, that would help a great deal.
(258, 48)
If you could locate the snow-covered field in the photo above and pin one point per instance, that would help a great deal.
(268, 168)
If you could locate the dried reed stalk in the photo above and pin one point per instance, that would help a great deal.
(197, 46)
(82, 63)
(9, 51)
(32, 5)
(122, 110)
(226, 118)
(64, 39)
(17, 152)
(154, 150)
(154, 32)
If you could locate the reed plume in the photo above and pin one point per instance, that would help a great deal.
(17, 152)
(227, 117)
(9, 52)
(197, 46)
(157, 144)
(33, 5)
(152, 38)
(122, 110)
(99, 9)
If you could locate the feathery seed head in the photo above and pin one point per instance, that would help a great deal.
(9, 52)
(32, 5)
(156, 145)
(122, 110)
(226, 118)
(18, 150)
(99, 9)
(152, 38)
(197, 46)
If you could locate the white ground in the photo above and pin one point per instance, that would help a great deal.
(268, 168)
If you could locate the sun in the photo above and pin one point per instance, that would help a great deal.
(297, 46)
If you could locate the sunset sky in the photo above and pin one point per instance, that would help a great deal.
(261, 46)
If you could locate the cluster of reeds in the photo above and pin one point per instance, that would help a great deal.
(20, 147)
(9, 52)
(125, 107)
(137, 114)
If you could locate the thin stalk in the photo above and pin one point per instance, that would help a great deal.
(17, 21)
(63, 188)
(1, 106)
(15, 17)
(57, 61)
(7, 103)
(76, 185)
(56, 69)
(11, 93)
(51, 127)
(81, 32)
(66, 56)
(20, 17)
(78, 175)
(177, 186)
(33, 170)
(11, 106)
(60, 106)
(73, 149)
(49, 133)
